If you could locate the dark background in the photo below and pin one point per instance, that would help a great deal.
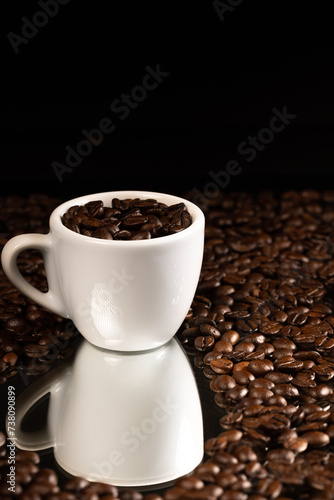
(225, 79)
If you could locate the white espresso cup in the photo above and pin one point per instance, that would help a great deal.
(121, 295)
(128, 419)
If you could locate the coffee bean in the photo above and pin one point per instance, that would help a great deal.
(236, 393)
(204, 343)
(207, 329)
(240, 366)
(245, 454)
(316, 438)
(278, 377)
(226, 479)
(215, 444)
(222, 383)
(259, 368)
(320, 391)
(221, 365)
(231, 436)
(281, 455)
(235, 495)
(270, 488)
(244, 347)
(289, 364)
(298, 445)
(207, 471)
(286, 390)
(275, 423)
(231, 336)
(223, 346)
(190, 483)
(243, 377)
(260, 393)
(276, 400)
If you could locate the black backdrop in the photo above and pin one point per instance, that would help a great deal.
(225, 67)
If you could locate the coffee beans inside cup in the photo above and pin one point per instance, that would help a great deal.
(129, 219)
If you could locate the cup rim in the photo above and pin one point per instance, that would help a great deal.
(57, 225)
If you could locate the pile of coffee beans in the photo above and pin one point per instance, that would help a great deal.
(261, 327)
(129, 219)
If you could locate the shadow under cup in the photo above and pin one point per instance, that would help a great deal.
(121, 295)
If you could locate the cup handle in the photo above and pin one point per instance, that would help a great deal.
(52, 299)
(43, 438)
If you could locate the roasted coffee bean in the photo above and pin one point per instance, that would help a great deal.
(223, 346)
(231, 436)
(303, 380)
(259, 368)
(207, 471)
(221, 365)
(320, 391)
(275, 423)
(236, 393)
(297, 445)
(244, 347)
(190, 483)
(204, 343)
(240, 366)
(278, 377)
(213, 445)
(260, 393)
(222, 383)
(244, 454)
(281, 455)
(270, 488)
(231, 336)
(316, 438)
(209, 356)
(263, 383)
(289, 364)
(207, 329)
(226, 479)
(234, 495)
(243, 377)
(276, 400)
(286, 390)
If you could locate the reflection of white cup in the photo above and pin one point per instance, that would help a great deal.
(127, 419)
(121, 295)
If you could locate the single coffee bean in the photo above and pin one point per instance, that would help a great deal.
(215, 444)
(259, 368)
(278, 377)
(236, 393)
(222, 383)
(223, 346)
(221, 365)
(297, 445)
(316, 438)
(289, 364)
(231, 336)
(204, 343)
(207, 329)
(281, 455)
(243, 377)
(286, 390)
(245, 454)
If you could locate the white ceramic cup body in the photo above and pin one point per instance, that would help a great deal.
(121, 295)
(129, 419)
